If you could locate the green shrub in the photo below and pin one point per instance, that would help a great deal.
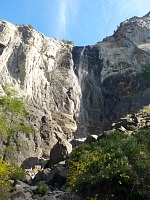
(13, 106)
(7, 172)
(143, 139)
(13, 116)
(30, 26)
(3, 128)
(116, 167)
(17, 173)
(68, 42)
(146, 72)
(41, 189)
(10, 153)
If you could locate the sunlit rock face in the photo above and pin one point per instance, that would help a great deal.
(41, 70)
(75, 91)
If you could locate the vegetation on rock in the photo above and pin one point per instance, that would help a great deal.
(13, 118)
(146, 72)
(68, 42)
(30, 26)
(116, 167)
(13, 115)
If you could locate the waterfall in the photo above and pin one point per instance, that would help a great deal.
(81, 61)
(83, 117)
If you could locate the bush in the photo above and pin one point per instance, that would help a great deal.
(116, 167)
(5, 171)
(68, 42)
(30, 26)
(41, 189)
(13, 116)
(146, 72)
(8, 172)
(9, 90)
(17, 173)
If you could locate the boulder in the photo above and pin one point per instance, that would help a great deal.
(122, 129)
(30, 162)
(22, 191)
(90, 139)
(27, 179)
(59, 152)
(40, 176)
(18, 195)
(57, 177)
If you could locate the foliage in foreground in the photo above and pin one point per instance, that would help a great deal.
(116, 167)
(8, 172)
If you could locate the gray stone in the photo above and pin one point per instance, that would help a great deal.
(122, 129)
(57, 176)
(60, 152)
(18, 195)
(90, 139)
(147, 124)
(77, 142)
(30, 163)
(27, 179)
(138, 119)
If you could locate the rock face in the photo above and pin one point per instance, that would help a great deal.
(41, 70)
(74, 91)
(114, 76)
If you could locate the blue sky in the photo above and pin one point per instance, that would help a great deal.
(82, 21)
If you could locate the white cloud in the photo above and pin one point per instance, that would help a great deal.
(67, 10)
(62, 18)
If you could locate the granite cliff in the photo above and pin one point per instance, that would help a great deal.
(74, 91)
(113, 75)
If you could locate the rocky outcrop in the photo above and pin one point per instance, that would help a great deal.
(23, 191)
(132, 123)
